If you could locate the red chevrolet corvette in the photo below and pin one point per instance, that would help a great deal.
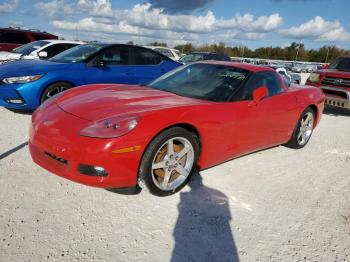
(155, 136)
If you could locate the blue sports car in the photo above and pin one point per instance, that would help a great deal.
(26, 84)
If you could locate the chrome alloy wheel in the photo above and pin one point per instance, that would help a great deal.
(55, 91)
(306, 127)
(172, 163)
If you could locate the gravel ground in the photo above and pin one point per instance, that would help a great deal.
(275, 205)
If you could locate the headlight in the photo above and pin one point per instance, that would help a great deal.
(21, 79)
(314, 78)
(110, 128)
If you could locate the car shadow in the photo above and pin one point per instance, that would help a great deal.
(125, 191)
(22, 112)
(202, 231)
(13, 150)
(336, 111)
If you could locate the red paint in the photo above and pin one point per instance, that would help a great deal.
(226, 129)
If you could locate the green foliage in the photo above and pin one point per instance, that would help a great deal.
(296, 51)
(157, 44)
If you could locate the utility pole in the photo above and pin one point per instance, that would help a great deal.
(296, 56)
(327, 55)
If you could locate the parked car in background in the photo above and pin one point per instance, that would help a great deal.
(295, 78)
(335, 82)
(169, 52)
(194, 117)
(297, 68)
(10, 38)
(25, 84)
(42, 49)
(199, 56)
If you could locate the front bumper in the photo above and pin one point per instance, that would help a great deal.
(337, 97)
(56, 146)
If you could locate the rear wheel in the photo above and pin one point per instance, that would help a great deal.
(169, 161)
(303, 130)
(53, 90)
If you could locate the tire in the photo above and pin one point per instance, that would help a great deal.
(165, 171)
(303, 130)
(53, 90)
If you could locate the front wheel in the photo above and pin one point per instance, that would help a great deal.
(53, 90)
(303, 130)
(169, 161)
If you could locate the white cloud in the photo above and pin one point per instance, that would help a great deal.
(143, 20)
(9, 6)
(318, 29)
(56, 9)
(96, 7)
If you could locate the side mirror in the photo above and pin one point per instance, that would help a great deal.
(42, 54)
(259, 94)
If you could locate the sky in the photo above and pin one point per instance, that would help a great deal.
(252, 23)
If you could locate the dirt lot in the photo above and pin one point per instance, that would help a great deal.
(275, 205)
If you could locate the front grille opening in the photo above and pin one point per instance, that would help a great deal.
(335, 94)
(59, 159)
(335, 103)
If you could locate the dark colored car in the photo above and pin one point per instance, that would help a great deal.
(11, 38)
(200, 56)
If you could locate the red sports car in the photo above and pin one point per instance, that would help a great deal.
(155, 136)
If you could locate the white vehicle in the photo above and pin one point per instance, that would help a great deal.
(169, 52)
(42, 49)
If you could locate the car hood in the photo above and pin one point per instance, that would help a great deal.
(4, 55)
(334, 72)
(27, 67)
(98, 102)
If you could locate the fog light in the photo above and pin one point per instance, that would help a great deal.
(14, 101)
(92, 170)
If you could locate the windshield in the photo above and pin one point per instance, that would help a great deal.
(192, 58)
(341, 63)
(28, 48)
(76, 54)
(203, 81)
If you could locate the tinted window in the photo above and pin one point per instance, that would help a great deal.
(268, 79)
(341, 63)
(30, 47)
(55, 49)
(146, 57)
(77, 54)
(203, 81)
(116, 55)
(13, 38)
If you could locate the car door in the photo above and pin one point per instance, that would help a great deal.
(279, 104)
(147, 65)
(111, 65)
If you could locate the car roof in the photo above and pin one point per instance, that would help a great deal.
(3, 29)
(250, 67)
(61, 41)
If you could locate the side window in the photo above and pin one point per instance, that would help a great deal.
(116, 55)
(146, 57)
(166, 52)
(14, 38)
(55, 49)
(267, 79)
